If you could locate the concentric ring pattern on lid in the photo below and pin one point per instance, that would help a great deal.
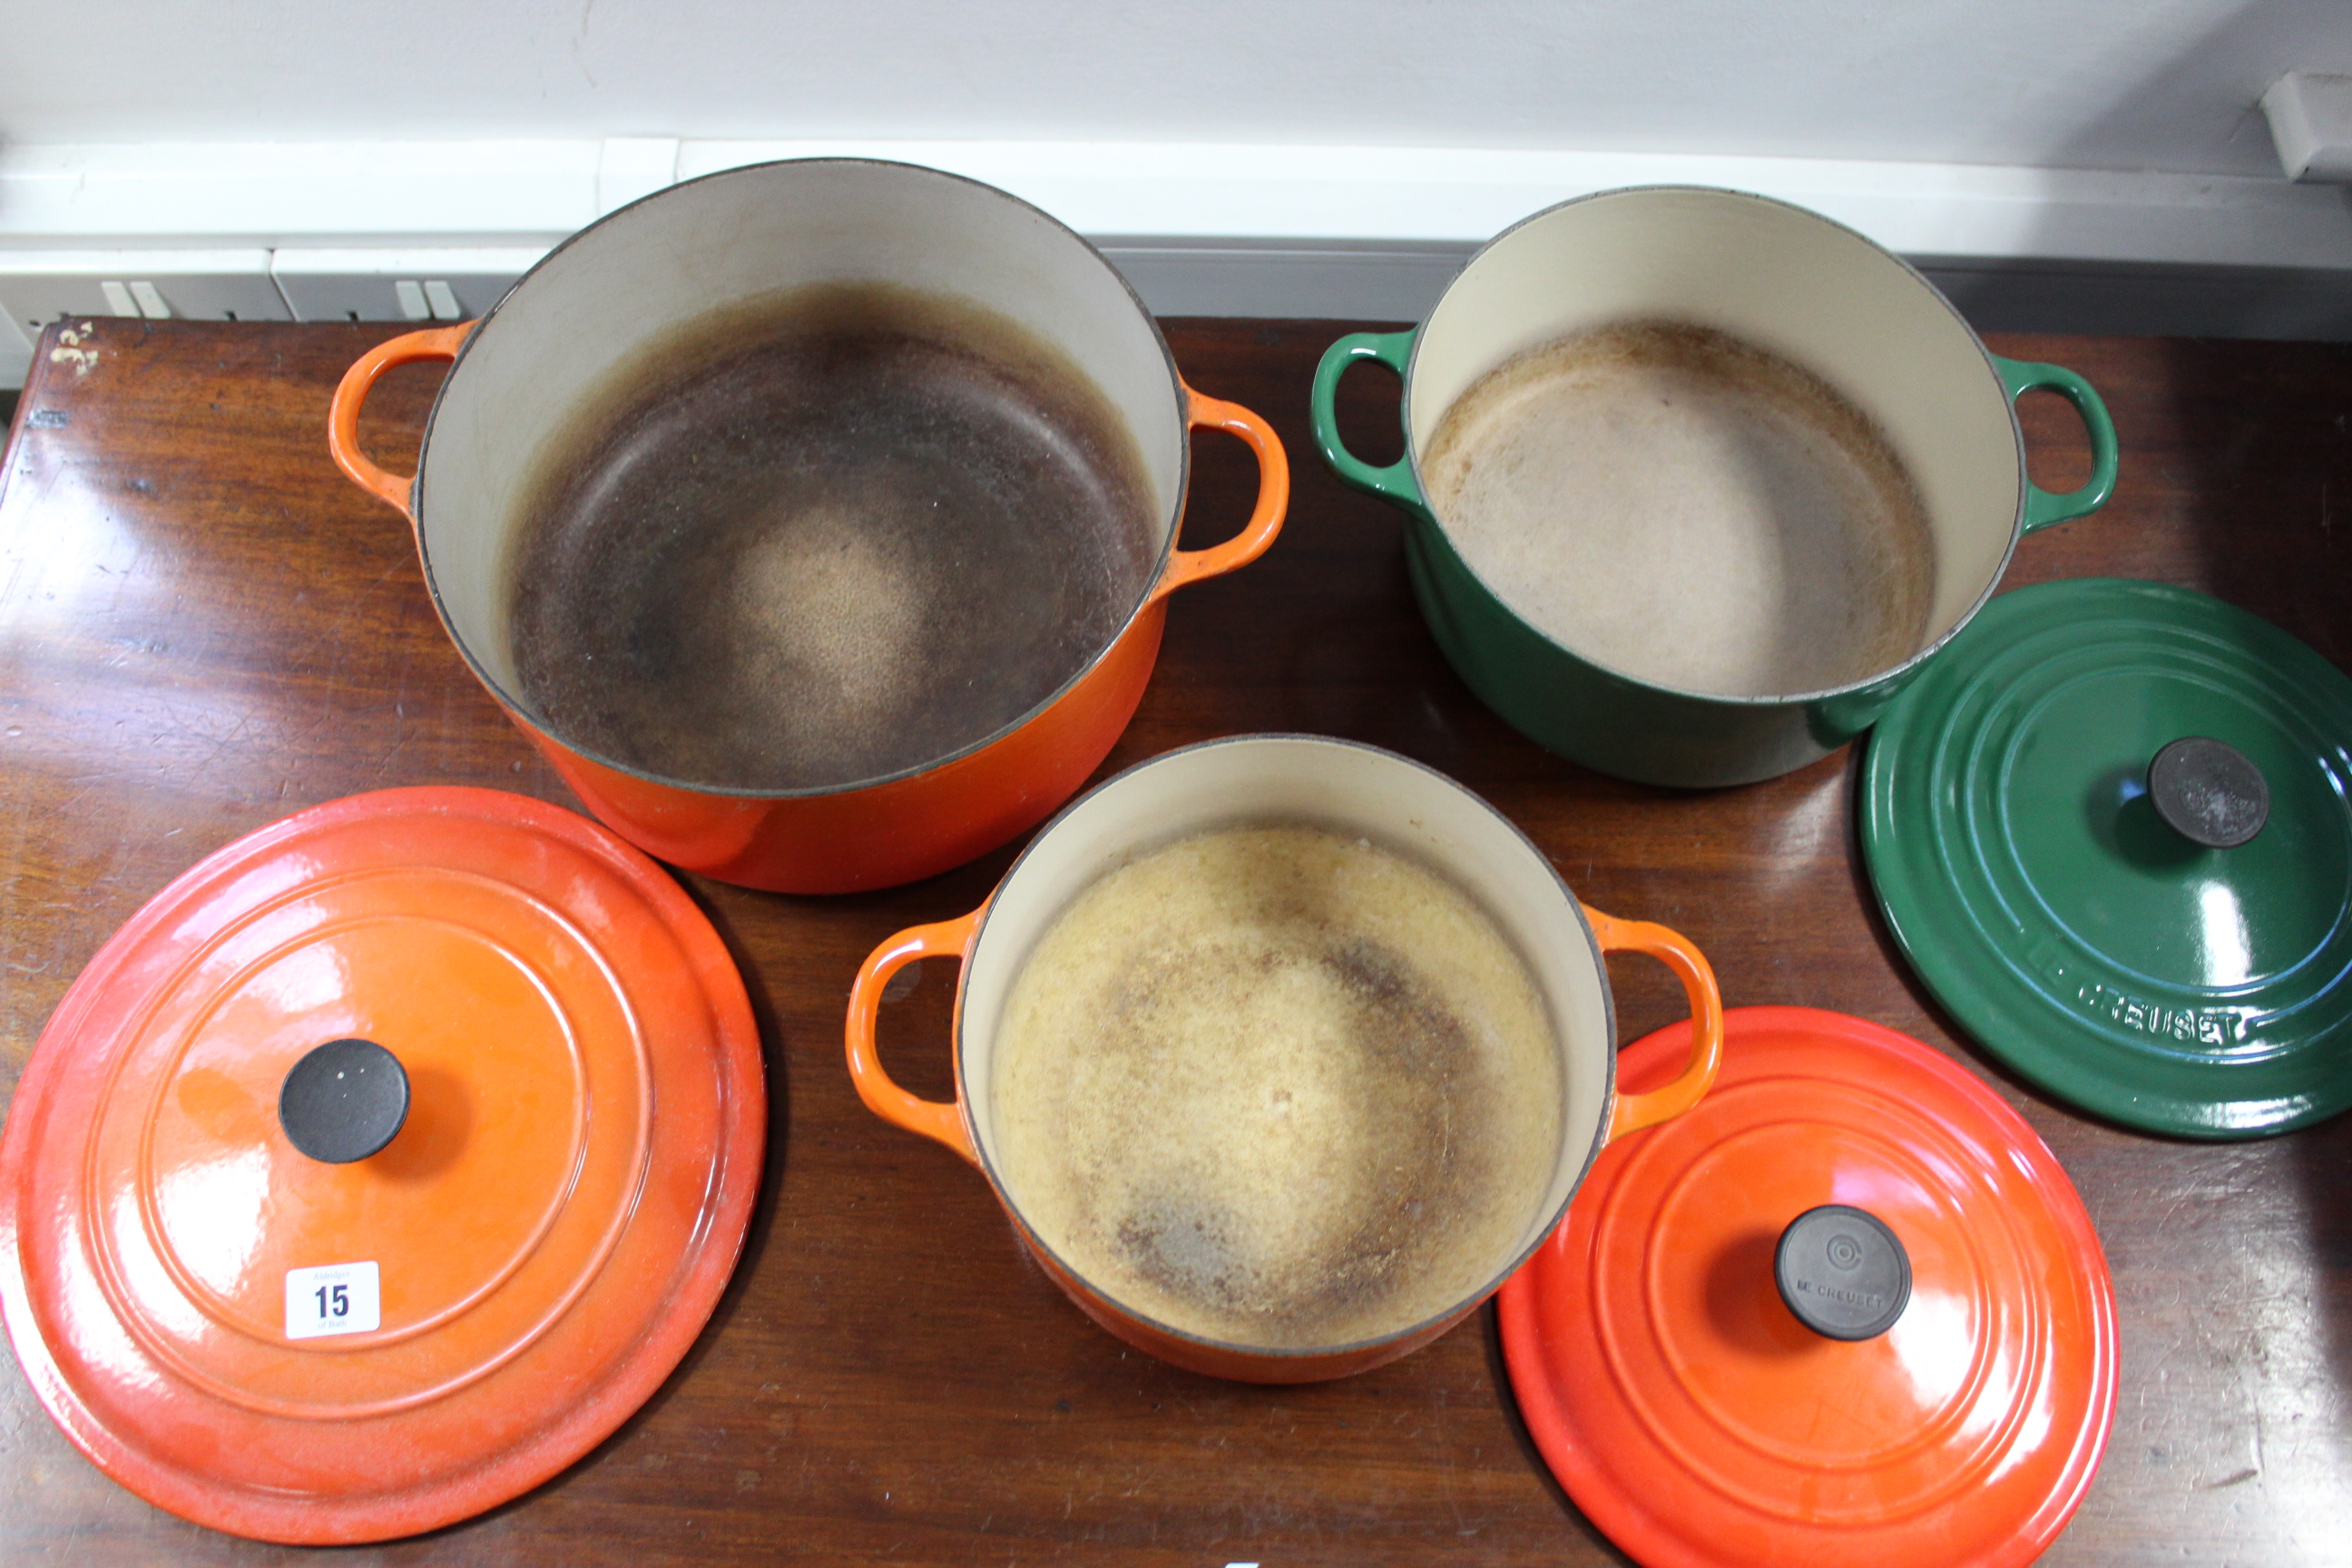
(2159, 932)
(388, 1332)
(1696, 1420)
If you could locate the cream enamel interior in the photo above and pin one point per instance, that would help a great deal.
(1786, 280)
(1352, 789)
(632, 278)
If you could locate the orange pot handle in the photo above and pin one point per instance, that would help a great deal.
(884, 1097)
(1632, 1112)
(1273, 496)
(344, 413)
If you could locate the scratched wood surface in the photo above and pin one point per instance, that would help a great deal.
(202, 627)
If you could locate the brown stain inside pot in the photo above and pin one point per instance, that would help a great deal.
(1688, 508)
(1415, 1072)
(824, 538)
(1278, 1087)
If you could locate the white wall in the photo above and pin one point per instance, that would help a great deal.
(2103, 84)
(1277, 157)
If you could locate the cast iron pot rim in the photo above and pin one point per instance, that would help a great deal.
(1899, 670)
(515, 704)
(1468, 1303)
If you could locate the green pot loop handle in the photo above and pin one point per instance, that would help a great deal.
(2043, 508)
(1392, 349)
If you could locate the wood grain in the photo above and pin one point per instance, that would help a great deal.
(204, 627)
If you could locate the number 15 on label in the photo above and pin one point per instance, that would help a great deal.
(333, 1299)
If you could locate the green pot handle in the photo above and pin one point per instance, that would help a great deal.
(1392, 349)
(2043, 508)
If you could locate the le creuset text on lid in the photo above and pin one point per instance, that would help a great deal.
(2112, 829)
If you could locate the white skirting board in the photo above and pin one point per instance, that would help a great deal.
(431, 230)
(2022, 294)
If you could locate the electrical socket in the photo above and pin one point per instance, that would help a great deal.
(449, 285)
(452, 284)
(37, 287)
(2311, 125)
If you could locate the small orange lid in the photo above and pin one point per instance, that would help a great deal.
(529, 1085)
(1848, 1313)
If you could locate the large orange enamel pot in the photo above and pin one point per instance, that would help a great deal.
(524, 371)
(1360, 791)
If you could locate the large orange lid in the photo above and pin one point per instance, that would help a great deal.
(1672, 1388)
(344, 1345)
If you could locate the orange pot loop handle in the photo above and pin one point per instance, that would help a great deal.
(1273, 496)
(1632, 1112)
(933, 1119)
(344, 413)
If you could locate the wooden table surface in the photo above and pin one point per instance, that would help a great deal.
(204, 627)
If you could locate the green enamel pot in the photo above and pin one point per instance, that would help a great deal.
(1778, 277)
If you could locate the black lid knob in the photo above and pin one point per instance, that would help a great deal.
(1842, 1272)
(343, 1100)
(2208, 791)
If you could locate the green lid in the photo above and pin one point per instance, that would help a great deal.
(2071, 926)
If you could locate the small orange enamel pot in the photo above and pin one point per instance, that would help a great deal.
(1356, 791)
(523, 372)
